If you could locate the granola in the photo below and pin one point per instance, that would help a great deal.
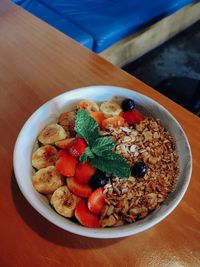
(128, 200)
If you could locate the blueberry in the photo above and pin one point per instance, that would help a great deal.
(73, 219)
(98, 179)
(139, 169)
(128, 104)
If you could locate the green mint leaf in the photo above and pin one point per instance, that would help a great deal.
(115, 164)
(99, 151)
(111, 155)
(86, 127)
(102, 145)
(86, 155)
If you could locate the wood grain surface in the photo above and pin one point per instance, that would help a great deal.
(37, 63)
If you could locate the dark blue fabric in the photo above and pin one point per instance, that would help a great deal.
(108, 21)
(57, 21)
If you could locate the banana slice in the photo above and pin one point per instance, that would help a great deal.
(47, 180)
(64, 201)
(51, 134)
(88, 105)
(110, 109)
(44, 156)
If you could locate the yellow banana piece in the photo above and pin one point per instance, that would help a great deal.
(64, 202)
(51, 134)
(88, 105)
(110, 109)
(44, 156)
(47, 180)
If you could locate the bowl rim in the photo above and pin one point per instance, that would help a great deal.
(100, 232)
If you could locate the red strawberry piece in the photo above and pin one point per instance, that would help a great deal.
(66, 164)
(132, 117)
(84, 216)
(62, 153)
(96, 201)
(77, 149)
(84, 172)
(81, 190)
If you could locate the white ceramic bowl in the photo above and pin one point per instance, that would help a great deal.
(50, 111)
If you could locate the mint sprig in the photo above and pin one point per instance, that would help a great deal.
(99, 152)
(112, 165)
(102, 145)
(86, 127)
(87, 155)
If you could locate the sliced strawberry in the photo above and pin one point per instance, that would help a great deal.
(81, 190)
(66, 164)
(132, 117)
(66, 143)
(84, 216)
(84, 172)
(96, 201)
(62, 153)
(77, 149)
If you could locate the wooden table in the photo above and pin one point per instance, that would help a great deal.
(36, 64)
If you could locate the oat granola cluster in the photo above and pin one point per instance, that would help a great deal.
(128, 200)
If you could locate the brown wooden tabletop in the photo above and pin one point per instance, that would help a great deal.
(37, 63)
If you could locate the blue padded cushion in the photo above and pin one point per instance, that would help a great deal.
(111, 20)
(108, 21)
(57, 21)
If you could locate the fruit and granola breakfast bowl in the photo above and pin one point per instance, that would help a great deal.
(109, 164)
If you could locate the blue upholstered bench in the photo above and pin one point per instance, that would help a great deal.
(98, 24)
